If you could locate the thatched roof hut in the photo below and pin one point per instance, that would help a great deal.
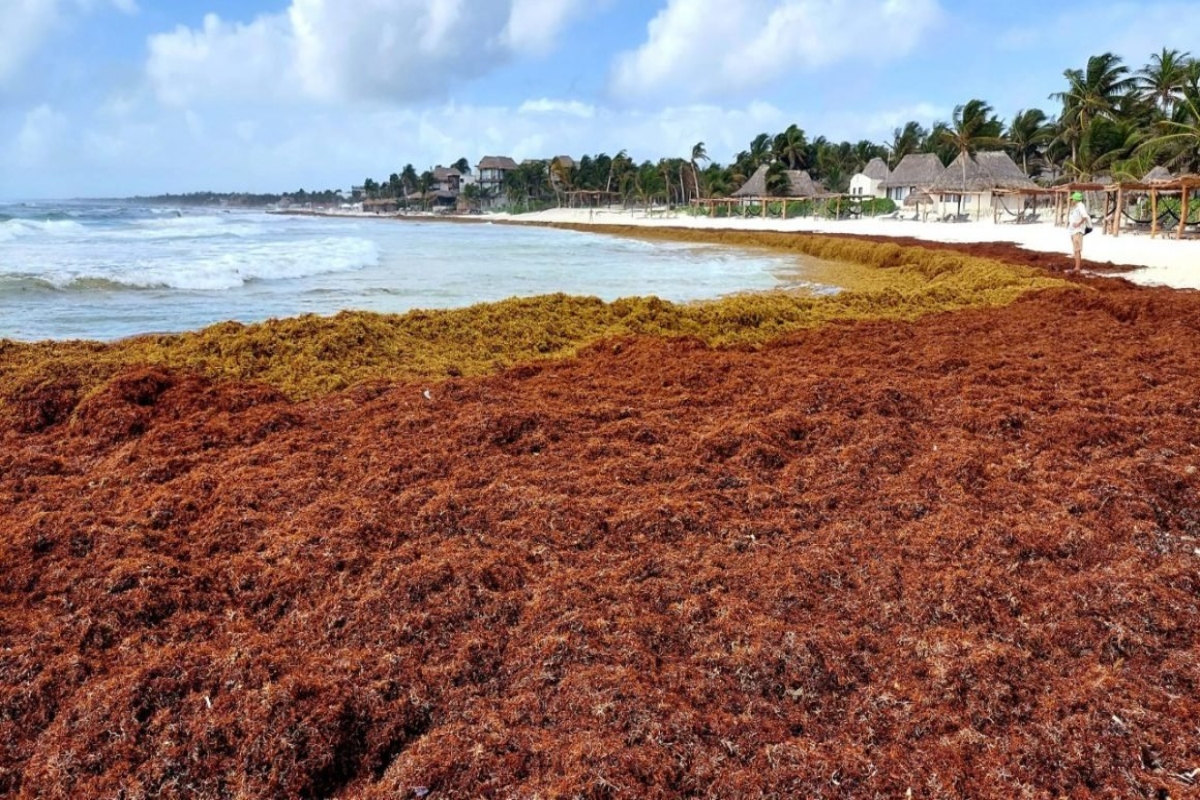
(915, 171)
(1159, 173)
(800, 184)
(985, 172)
(877, 170)
(497, 162)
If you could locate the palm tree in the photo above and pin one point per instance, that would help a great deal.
(778, 184)
(1180, 136)
(1093, 92)
(620, 164)
(906, 140)
(760, 149)
(698, 154)
(408, 176)
(1163, 79)
(791, 147)
(973, 126)
(1028, 135)
(463, 166)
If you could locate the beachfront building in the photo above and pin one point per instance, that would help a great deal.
(800, 184)
(869, 182)
(447, 180)
(916, 172)
(970, 188)
(492, 171)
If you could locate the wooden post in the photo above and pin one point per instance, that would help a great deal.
(1183, 211)
(784, 215)
(1116, 214)
(1153, 213)
(763, 200)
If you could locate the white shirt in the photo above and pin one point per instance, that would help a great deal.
(1079, 218)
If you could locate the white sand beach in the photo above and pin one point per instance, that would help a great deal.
(1163, 261)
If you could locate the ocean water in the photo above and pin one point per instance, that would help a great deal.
(96, 270)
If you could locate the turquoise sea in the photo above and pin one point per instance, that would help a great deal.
(107, 270)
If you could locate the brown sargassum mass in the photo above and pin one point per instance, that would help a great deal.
(941, 554)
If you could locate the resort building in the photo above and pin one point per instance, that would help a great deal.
(969, 188)
(446, 179)
(869, 182)
(916, 172)
(492, 171)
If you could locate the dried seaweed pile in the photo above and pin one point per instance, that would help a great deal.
(957, 556)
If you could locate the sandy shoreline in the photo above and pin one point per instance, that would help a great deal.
(1156, 262)
(1162, 262)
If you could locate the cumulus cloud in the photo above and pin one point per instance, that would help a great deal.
(702, 48)
(26, 25)
(41, 134)
(384, 50)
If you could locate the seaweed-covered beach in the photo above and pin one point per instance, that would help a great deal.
(935, 537)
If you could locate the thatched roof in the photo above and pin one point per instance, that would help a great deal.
(800, 184)
(877, 170)
(918, 170)
(918, 199)
(1159, 173)
(497, 162)
(444, 173)
(985, 172)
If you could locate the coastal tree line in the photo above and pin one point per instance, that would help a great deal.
(1109, 118)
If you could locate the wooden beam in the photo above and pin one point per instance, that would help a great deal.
(1153, 213)
(1183, 215)
(1118, 212)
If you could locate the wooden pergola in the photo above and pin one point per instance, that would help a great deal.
(765, 201)
(1115, 195)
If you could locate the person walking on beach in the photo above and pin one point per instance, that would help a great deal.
(1078, 223)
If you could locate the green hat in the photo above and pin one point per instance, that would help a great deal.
(1076, 195)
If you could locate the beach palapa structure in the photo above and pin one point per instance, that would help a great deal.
(916, 172)
(800, 186)
(986, 177)
(1120, 197)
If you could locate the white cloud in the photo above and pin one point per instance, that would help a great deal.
(41, 135)
(386, 50)
(546, 106)
(25, 25)
(703, 48)
(534, 24)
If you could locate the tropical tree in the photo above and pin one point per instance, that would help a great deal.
(778, 184)
(909, 139)
(370, 188)
(1092, 92)
(408, 176)
(699, 154)
(791, 147)
(973, 126)
(760, 150)
(463, 166)
(1028, 135)
(1179, 137)
(1162, 80)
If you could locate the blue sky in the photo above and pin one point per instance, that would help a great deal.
(117, 97)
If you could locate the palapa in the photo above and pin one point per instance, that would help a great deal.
(800, 184)
(985, 172)
(877, 170)
(915, 171)
(1159, 173)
